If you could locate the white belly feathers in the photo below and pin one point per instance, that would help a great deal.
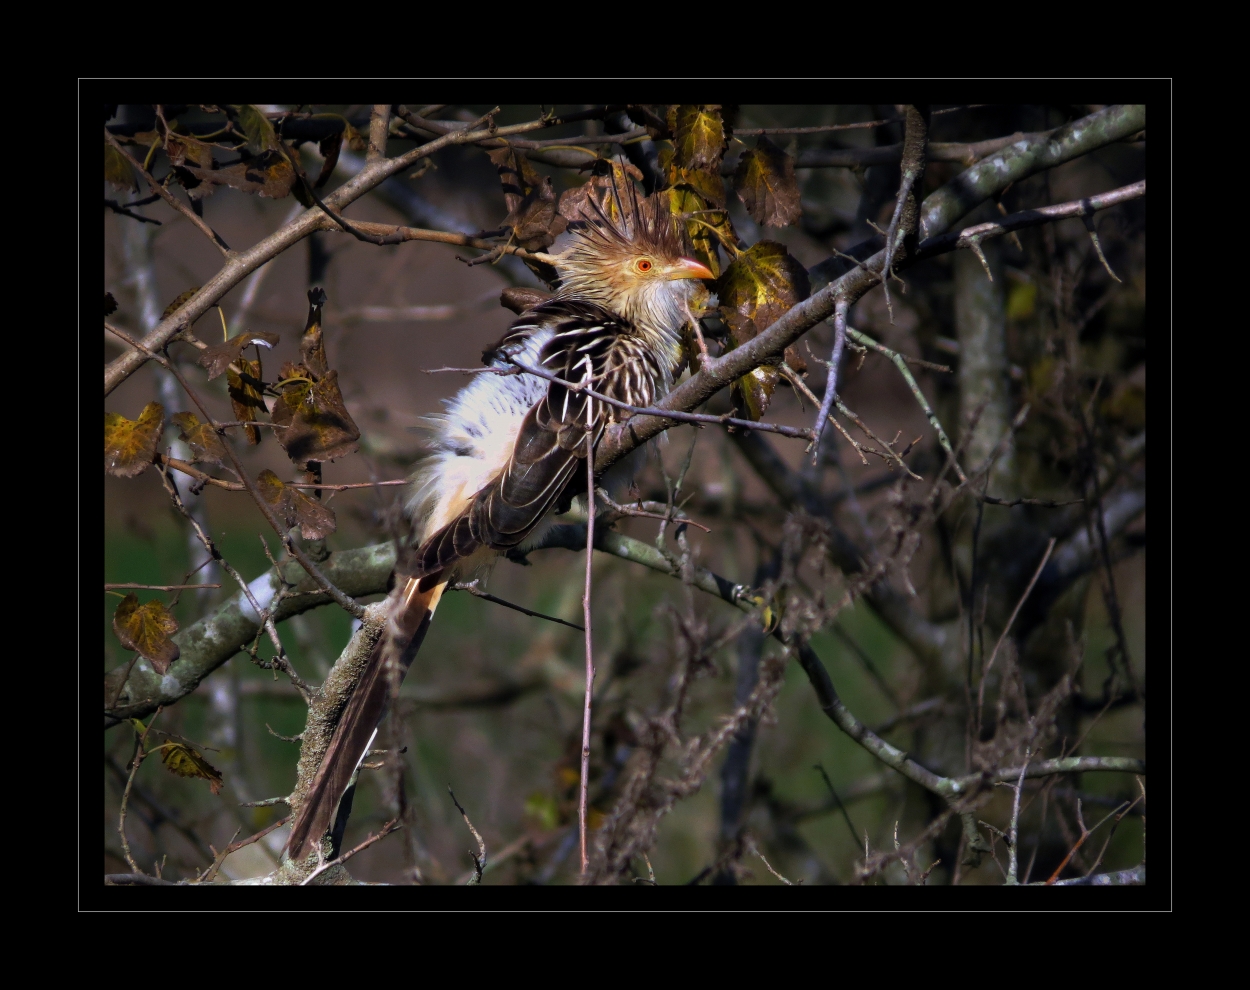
(470, 443)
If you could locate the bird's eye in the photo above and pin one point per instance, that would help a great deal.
(644, 265)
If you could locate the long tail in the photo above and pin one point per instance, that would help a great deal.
(412, 606)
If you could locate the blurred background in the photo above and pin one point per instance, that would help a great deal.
(493, 705)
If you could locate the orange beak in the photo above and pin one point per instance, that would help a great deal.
(689, 268)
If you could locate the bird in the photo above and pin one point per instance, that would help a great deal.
(506, 452)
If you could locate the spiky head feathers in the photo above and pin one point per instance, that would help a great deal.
(629, 256)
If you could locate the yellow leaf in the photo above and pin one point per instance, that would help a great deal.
(147, 628)
(117, 170)
(129, 445)
(698, 136)
(1022, 301)
(184, 761)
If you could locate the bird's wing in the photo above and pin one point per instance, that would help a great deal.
(585, 348)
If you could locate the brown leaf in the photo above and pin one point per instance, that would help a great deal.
(516, 175)
(652, 117)
(796, 361)
(575, 203)
(183, 151)
(530, 198)
(316, 424)
(312, 344)
(177, 303)
(147, 628)
(203, 440)
(535, 222)
(181, 759)
(699, 138)
(764, 181)
(314, 520)
(269, 174)
(117, 170)
(329, 148)
(245, 391)
(110, 304)
(218, 357)
(130, 445)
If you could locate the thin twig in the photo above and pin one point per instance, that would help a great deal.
(264, 618)
(169, 197)
(901, 364)
(472, 588)
(479, 858)
(1007, 628)
(681, 417)
(392, 826)
(590, 659)
(160, 587)
(136, 760)
(670, 516)
(831, 382)
(892, 234)
(971, 236)
(1014, 834)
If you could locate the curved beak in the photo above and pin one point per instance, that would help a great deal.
(689, 268)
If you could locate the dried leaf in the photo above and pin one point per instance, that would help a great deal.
(181, 759)
(760, 285)
(258, 129)
(536, 223)
(312, 344)
(314, 520)
(329, 148)
(117, 169)
(245, 391)
(110, 304)
(532, 214)
(575, 203)
(652, 117)
(203, 440)
(269, 174)
(355, 140)
(764, 181)
(146, 628)
(130, 445)
(183, 150)
(316, 426)
(699, 138)
(174, 306)
(516, 175)
(756, 391)
(218, 357)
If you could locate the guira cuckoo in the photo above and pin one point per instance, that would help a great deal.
(509, 446)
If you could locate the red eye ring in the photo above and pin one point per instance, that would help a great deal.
(644, 265)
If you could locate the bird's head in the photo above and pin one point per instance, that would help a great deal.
(630, 259)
